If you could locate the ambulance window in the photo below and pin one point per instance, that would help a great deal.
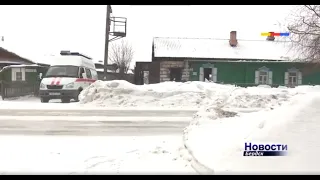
(88, 72)
(81, 71)
(94, 74)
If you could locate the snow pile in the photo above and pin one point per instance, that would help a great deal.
(174, 94)
(217, 140)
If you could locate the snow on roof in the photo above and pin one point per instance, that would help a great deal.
(102, 70)
(19, 65)
(98, 62)
(220, 49)
(10, 62)
(50, 59)
(15, 55)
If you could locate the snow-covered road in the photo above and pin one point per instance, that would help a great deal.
(97, 112)
(60, 138)
(93, 122)
(92, 141)
(91, 126)
(92, 155)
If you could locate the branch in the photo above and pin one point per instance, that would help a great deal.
(122, 55)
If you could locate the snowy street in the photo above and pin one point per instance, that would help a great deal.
(93, 112)
(79, 141)
(92, 155)
(93, 122)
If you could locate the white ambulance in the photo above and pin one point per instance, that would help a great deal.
(67, 76)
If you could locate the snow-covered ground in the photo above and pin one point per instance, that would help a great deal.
(217, 141)
(91, 155)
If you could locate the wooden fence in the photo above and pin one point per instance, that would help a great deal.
(17, 89)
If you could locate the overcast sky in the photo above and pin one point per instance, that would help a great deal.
(33, 31)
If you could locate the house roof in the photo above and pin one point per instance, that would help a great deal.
(48, 59)
(221, 49)
(8, 57)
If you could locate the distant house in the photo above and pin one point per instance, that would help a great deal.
(14, 68)
(9, 58)
(18, 75)
(230, 61)
(112, 72)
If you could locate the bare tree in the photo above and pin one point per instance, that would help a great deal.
(121, 54)
(305, 32)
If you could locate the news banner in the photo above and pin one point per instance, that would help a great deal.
(251, 149)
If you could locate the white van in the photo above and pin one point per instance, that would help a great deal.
(67, 76)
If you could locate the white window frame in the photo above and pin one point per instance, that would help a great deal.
(298, 77)
(268, 75)
(16, 70)
(214, 74)
(263, 77)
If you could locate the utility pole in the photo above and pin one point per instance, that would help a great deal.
(117, 22)
(106, 47)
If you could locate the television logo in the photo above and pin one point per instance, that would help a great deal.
(251, 149)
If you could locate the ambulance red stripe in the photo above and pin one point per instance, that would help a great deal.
(85, 80)
(53, 81)
(58, 81)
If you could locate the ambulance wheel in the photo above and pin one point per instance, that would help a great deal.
(77, 97)
(44, 100)
(65, 100)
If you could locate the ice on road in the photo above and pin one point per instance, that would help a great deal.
(91, 155)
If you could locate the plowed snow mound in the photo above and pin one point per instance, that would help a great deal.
(174, 94)
(295, 124)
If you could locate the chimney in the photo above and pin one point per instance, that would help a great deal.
(271, 37)
(233, 39)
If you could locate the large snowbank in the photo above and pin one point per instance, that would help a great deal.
(188, 94)
(217, 141)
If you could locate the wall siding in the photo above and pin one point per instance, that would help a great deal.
(166, 65)
(31, 77)
(244, 72)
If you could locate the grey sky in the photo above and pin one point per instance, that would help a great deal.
(33, 31)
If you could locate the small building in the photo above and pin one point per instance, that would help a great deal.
(112, 72)
(229, 61)
(18, 75)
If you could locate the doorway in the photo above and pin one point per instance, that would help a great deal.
(175, 74)
(145, 77)
(207, 72)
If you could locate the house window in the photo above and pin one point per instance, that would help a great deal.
(293, 77)
(18, 76)
(263, 77)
